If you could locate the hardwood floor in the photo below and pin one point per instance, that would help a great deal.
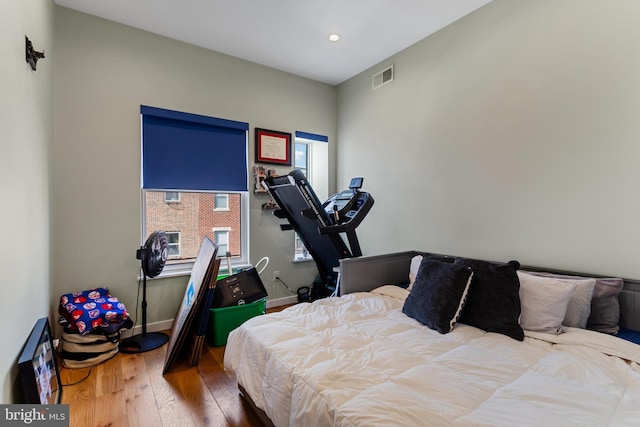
(130, 390)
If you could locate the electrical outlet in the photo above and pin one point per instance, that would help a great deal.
(276, 275)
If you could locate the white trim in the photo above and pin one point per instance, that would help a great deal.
(184, 269)
(151, 327)
(173, 270)
(282, 301)
(246, 224)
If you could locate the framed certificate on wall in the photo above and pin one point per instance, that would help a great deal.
(273, 147)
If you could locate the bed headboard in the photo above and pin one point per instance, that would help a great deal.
(362, 274)
(630, 305)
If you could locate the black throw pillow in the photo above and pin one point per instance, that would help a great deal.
(493, 303)
(438, 294)
(441, 258)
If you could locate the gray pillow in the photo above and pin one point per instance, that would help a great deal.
(438, 294)
(579, 308)
(605, 307)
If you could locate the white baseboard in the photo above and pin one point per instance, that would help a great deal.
(151, 327)
(167, 324)
(282, 301)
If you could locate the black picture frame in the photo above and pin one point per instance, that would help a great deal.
(273, 147)
(38, 367)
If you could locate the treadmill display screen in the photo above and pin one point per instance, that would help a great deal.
(356, 183)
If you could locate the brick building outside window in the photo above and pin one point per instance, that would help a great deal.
(190, 217)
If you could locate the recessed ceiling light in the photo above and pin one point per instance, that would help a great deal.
(334, 37)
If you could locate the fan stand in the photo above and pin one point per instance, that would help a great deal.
(145, 341)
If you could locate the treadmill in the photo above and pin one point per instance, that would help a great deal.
(320, 225)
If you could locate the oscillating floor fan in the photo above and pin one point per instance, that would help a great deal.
(152, 256)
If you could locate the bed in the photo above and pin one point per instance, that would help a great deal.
(373, 357)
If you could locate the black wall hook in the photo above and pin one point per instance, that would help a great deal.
(31, 54)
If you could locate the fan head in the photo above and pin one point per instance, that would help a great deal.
(153, 255)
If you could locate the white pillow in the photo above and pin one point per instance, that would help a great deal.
(579, 308)
(413, 270)
(543, 302)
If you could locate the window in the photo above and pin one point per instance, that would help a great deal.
(300, 161)
(300, 252)
(194, 218)
(197, 195)
(311, 157)
(221, 202)
(222, 240)
(174, 243)
(302, 155)
(171, 197)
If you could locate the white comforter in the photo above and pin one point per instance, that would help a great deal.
(358, 360)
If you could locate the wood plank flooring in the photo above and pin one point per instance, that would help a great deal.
(130, 390)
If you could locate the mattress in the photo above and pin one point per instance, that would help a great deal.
(357, 360)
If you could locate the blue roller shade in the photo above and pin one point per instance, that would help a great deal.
(312, 136)
(182, 151)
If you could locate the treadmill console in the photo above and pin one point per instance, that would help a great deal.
(356, 183)
(347, 205)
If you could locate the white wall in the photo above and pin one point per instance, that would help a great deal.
(514, 134)
(26, 134)
(104, 72)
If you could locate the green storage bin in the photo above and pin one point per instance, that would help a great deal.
(225, 319)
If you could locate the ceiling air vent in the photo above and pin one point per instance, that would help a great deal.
(383, 77)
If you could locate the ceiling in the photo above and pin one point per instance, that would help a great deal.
(290, 35)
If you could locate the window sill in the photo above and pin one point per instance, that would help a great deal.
(177, 270)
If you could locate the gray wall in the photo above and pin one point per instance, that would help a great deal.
(26, 135)
(515, 132)
(104, 71)
(515, 135)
